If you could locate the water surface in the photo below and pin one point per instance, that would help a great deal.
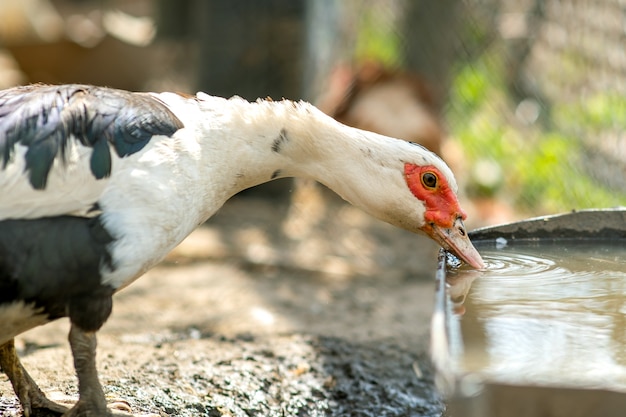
(549, 314)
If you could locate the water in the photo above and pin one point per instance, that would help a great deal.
(549, 314)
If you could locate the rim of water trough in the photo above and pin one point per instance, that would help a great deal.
(582, 224)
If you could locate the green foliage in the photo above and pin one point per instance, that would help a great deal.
(475, 82)
(539, 164)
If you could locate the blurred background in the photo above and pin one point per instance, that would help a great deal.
(525, 99)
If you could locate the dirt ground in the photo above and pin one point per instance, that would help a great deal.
(305, 307)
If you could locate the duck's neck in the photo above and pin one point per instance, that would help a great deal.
(246, 144)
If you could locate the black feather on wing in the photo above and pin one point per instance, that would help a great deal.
(44, 118)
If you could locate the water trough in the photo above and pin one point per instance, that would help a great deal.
(542, 330)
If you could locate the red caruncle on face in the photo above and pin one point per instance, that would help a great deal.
(429, 185)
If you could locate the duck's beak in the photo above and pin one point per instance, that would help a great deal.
(456, 240)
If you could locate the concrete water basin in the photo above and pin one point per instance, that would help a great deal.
(541, 331)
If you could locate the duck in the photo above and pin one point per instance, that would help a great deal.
(100, 184)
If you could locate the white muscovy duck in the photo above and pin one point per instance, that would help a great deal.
(98, 185)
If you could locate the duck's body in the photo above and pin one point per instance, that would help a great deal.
(98, 185)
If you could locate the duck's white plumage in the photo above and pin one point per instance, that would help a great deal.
(128, 176)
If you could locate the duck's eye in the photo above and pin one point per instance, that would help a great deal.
(429, 179)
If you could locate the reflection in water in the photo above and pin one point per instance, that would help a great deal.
(545, 314)
(458, 285)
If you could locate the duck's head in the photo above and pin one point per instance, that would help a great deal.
(442, 216)
(412, 188)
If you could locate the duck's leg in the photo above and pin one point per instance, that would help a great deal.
(87, 314)
(91, 400)
(27, 391)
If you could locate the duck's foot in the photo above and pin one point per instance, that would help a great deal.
(117, 408)
(71, 408)
(86, 409)
(32, 399)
